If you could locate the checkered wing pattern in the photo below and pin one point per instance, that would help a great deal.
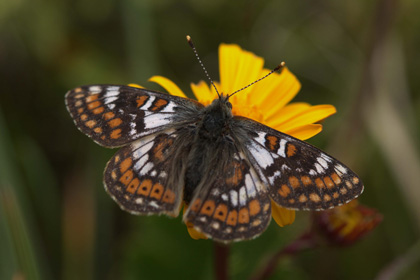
(115, 115)
(299, 175)
(230, 202)
(140, 176)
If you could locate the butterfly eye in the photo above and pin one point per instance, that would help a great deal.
(229, 105)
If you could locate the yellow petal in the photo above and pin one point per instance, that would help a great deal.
(287, 113)
(249, 70)
(282, 216)
(275, 92)
(190, 227)
(167, 84)
(262, 90)
(305, 132)
(203, 93)
(238, 68)
(135, 85)
(228, 56)
(311, 115)
(194, 233)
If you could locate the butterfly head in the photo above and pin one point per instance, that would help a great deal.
(222, 105)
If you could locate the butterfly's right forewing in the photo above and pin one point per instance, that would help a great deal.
(114, 115)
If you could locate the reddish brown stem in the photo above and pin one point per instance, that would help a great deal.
(305, 241)
(221, 258)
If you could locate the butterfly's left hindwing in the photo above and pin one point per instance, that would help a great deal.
(146, 177)
(299, 175)
(114, 115)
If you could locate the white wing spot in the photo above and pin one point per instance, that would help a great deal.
(261, 138)
(146, 168)
(112, 91)
(139, 164)
(341, 168)
(145, 148)
(285, 167)
(327, 158)
(225, 197)
(153, 204)
(323, 162)
(133, 130)
(110, 99)
(234, 198)
(169, 108)
(95, 89)
(312, 172)
(156, 120)
(275, 175)
(261, 155)
(319, 168)
(148, 103)
(250, 186)
(242, 196)
(215, 225)
(280, 151)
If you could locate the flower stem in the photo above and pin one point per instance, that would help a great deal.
(221, 258)
(305, 241)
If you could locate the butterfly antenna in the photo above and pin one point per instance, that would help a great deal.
(281, 65)
(201, 63)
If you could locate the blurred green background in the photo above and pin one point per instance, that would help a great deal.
(57, 222)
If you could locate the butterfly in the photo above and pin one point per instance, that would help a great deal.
(225, 168)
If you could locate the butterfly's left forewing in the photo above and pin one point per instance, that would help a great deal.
(299, 175)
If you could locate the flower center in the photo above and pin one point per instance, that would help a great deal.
(249, 111)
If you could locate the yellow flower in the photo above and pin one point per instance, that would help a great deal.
(266, 102)
(348, 223)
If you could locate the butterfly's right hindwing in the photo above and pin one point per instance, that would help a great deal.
(229, 202)
(115, 115)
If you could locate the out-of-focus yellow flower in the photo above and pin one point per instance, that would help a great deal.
(266, 102)
(346, 224)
